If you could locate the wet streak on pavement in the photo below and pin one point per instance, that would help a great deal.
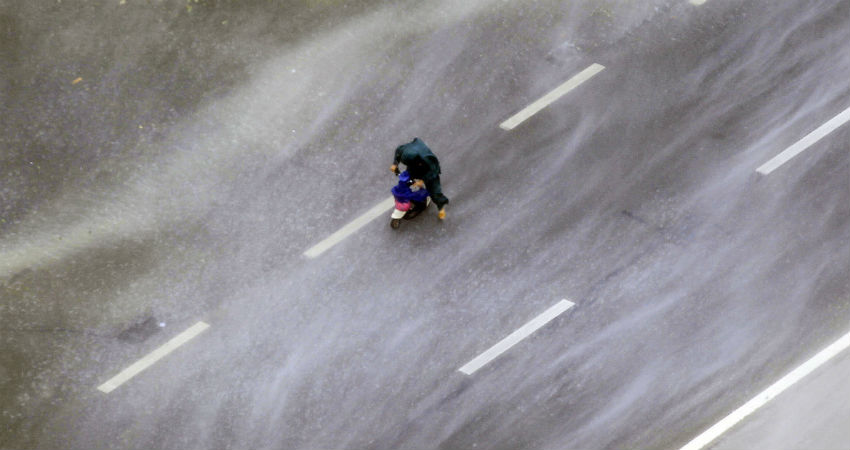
(261, 135)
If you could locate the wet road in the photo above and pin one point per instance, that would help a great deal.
(171, 164)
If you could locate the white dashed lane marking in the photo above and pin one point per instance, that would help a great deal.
(152, 357)
(376, 211)
(555, 94)
(805, 143)
(518, 335)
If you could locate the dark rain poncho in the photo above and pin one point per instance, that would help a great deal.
(422, 164)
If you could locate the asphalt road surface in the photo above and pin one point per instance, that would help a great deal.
(169, 163)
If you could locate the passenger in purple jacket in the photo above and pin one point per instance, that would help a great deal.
(409, 191)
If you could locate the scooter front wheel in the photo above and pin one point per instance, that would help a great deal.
(394, 223)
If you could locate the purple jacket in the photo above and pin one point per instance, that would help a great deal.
(404, 194)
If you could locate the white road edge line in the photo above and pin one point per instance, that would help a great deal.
(555, 94)
(152, 357)
(356, 224)
(768, 394)
(804, 143)
(518, 335)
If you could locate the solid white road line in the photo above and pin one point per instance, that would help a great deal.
(768, 394)
(152, 357)
(518, 335)
(804, 143)
(697, 2)
(557, 93)
(356, 224)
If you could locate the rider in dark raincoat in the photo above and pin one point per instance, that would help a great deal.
(422, 164)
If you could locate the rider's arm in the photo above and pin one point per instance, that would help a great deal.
(398, 152)
(397, 159)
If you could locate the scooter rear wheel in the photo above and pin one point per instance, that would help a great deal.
(394, 223)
